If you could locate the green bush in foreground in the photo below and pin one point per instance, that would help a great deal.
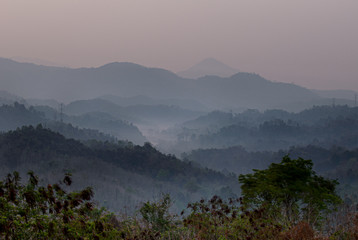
(31, 211)
(218, 219)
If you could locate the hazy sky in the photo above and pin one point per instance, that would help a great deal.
(313, 43)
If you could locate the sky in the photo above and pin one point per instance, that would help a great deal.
(312, 43)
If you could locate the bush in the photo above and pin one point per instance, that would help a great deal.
(218, 219)
(31, 211)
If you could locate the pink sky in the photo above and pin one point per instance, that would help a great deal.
(313, 43)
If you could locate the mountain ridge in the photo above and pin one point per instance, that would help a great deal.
(240, 91)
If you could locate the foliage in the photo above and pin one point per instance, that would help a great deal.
(217, 219)
(292, 190)
(30, 211)
(156, 214)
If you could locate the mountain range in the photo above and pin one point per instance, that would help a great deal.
(237, 92)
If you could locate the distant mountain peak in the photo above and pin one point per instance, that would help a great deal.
(208, 66)
(210, 61)
(121, 64)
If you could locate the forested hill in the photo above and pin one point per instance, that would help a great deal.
(144, 160)
(323, 126)
(17, 115)
(41, 149)
(83, 127)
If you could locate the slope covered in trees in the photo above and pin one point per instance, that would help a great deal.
(272, 130)
(83, 127)
(116, 170)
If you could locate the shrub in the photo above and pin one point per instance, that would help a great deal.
(31, 211)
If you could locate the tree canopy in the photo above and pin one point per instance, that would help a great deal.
(291, 189)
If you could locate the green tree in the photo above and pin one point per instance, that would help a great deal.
(291, 190)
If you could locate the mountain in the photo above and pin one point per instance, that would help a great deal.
(249, 90)
(209, 66)
(238, 92)
(65, 84)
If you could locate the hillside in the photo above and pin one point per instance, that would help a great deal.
(323, 126)
(122, 175)
(83, 127)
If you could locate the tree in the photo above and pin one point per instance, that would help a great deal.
(291, 190)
